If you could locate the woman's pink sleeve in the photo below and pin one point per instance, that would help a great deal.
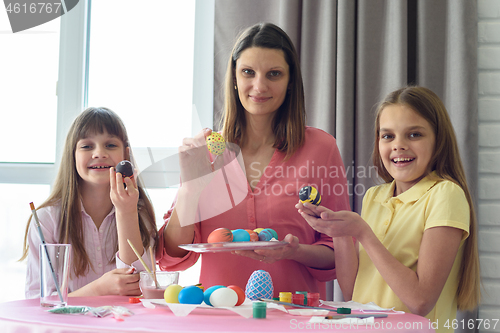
(168, 263)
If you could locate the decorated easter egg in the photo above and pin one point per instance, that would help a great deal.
(216, 143)
(171, 294)
(259, 285)
(125, 168)
(224, 297)
(191, 295)
(267, 234)
(258, 230)
(309, 194)
(241, 235)
(239, 292)
(208, 293)
(253, 235)
(220, 235)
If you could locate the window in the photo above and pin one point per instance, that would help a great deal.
(28, 85)
(141, 66)
(141, 84)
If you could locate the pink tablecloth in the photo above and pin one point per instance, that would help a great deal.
(26, 316)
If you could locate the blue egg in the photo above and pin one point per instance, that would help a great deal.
(191, 295)
(241, 235)
(208, 293)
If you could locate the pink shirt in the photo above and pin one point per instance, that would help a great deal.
(270, 205)
(100, 245)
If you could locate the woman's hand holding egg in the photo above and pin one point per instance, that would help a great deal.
(194, 160)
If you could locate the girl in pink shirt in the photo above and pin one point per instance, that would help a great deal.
(92, 210)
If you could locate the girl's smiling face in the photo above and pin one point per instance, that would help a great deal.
(406, 144)
(95, 154)
(262, 77)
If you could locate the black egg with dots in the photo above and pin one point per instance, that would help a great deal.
(309, 194)
(125, 168)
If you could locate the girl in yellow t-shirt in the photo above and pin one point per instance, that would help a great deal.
(416, 238)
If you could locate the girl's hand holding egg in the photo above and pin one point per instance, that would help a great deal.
(124, 198)
(333, 224)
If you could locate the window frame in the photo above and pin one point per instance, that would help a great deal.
(72, 85)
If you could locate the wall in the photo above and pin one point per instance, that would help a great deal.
(489, 158)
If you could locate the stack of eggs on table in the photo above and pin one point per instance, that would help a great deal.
(242, 235)
(218, 296)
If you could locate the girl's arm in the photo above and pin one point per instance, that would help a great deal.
(127, 218)
(346, 252)
(419, 290)
(120, 281)
(346, 264)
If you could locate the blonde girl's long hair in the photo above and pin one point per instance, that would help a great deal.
(447, 164)
(290, 120)
(66, 192)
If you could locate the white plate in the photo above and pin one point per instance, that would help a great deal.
(308, 312)
(232, 246)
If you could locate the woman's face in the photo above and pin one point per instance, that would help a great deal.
(262, 77)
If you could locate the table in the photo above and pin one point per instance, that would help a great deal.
(26, 316)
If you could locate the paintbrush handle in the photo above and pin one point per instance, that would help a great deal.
(53, 273)
(139, 256)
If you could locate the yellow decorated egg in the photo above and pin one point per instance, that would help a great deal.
(309, 194)
(258, 230)
(216, 143)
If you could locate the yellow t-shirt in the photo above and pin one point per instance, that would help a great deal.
(399, 223)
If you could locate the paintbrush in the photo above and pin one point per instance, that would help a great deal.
(153, 264)
(42, 239)
(142, 262)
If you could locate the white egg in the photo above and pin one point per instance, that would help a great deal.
(224, 297)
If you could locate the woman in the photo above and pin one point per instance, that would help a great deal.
(264, 115)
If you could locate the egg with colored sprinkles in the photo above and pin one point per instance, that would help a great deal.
(216, 143)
